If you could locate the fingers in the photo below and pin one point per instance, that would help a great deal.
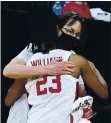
(68, 69)
(60, 68)
(88, 114)
(64, 72)
(69, 64)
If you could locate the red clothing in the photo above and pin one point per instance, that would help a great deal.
(81, 9)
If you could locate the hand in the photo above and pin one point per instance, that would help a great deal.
(59, 68)
(87, 113)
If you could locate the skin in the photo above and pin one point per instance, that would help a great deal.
(82, 67)
(17, 69)
(73, 30)
(16, 62)
(15, 92)
(9, 72)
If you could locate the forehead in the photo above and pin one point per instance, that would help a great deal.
(76, 26)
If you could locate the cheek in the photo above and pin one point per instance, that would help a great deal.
(77, 27)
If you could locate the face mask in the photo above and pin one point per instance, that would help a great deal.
(67, 42)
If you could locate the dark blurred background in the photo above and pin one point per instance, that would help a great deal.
(15, 36)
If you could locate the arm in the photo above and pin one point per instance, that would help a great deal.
(82, 91)
(89, 77)
(98, 75)
(15, 91)
(93, 81)
(17, 69)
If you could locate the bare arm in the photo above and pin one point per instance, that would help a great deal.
(17, 69)
(89, 76)
(82, 91)
(98, 75)
(93, 81)
(15, 91)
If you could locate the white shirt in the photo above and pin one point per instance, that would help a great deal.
(27, 53)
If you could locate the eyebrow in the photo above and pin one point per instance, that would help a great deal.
(67, 30)
(78, 33)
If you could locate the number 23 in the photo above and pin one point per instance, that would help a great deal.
(51, 89)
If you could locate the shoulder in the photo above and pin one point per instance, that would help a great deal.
(35, 57)
(78, 60)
